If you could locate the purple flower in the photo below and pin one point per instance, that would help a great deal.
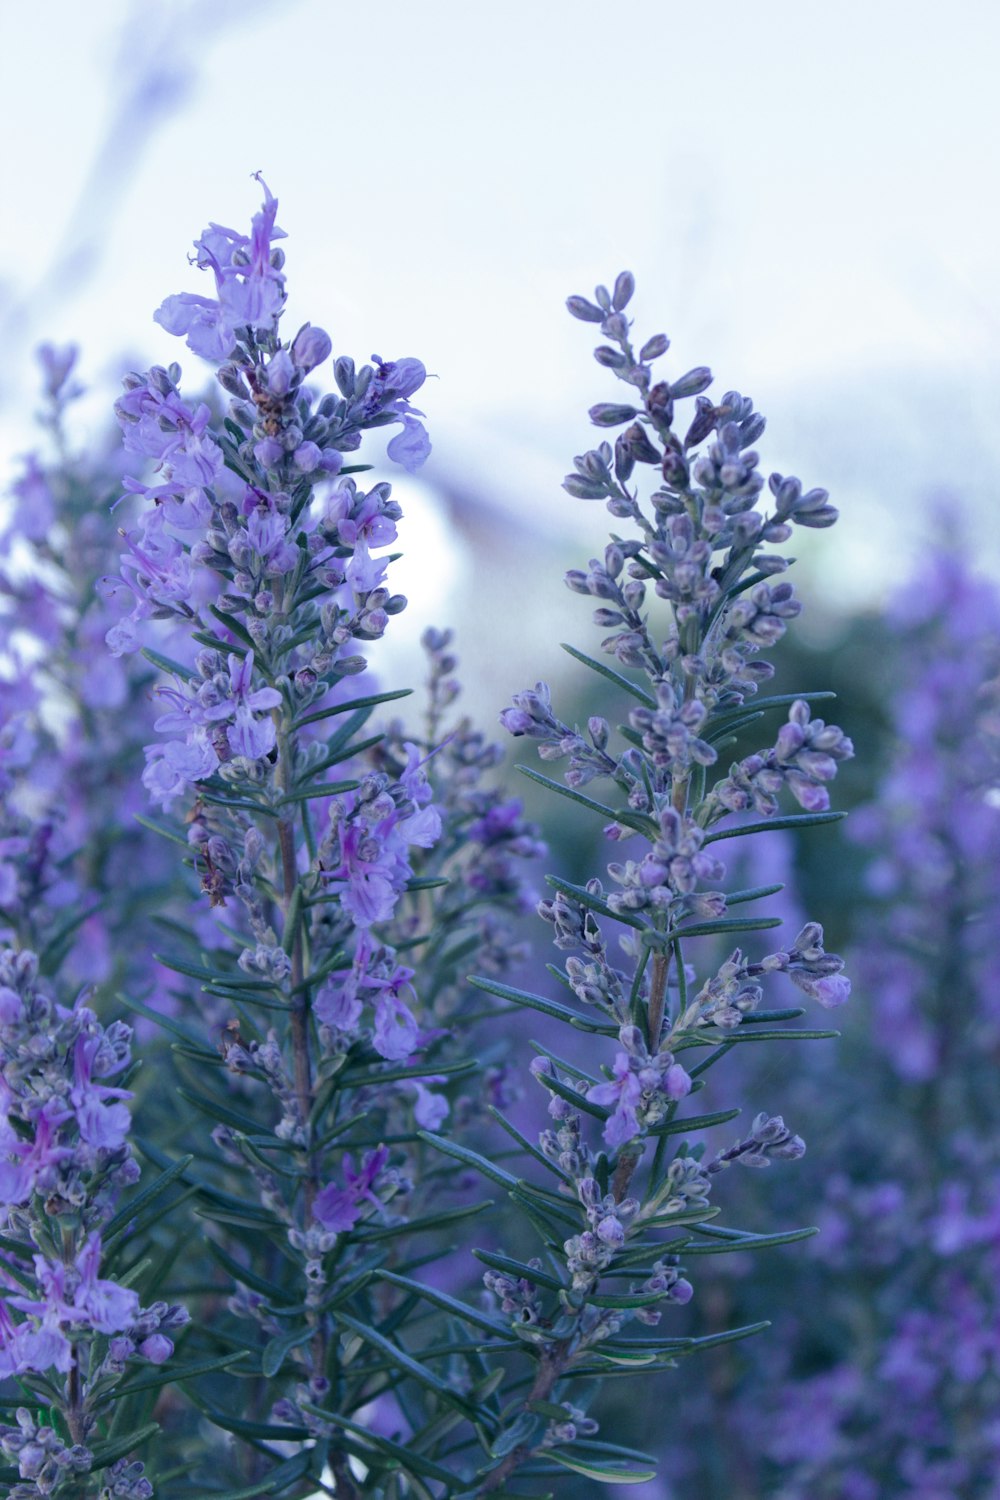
(429, 1110)
(623, 1095)
(411, 447)
(157, 1348)
(830, 990)
(396, 1032)
(250, 289)
(311, 347)
(247, 734)
(338, 1209)
(27, 1347)
(173, 767)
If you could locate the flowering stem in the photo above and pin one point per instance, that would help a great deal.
(657, 998)
(345, 1482)
(623, 1174)
(300, 1004)
(74, 1411)
(301, 1059)
(550, 1370)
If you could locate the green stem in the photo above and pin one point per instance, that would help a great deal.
(658, 998)
(550, 1369)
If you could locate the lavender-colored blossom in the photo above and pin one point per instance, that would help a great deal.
(338, 1209)
(250, 288)
(411, 447)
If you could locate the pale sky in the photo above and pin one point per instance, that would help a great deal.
(806, 193)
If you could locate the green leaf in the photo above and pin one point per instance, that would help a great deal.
(511, 1267)
(354, 703)
(293, 918)
(142, 1199)
(344, 751)
(693, 1123)
(447, 1304)
(721, 736)
(234, 626)
(20, 1248)
(405, 1456)
(607, 1472)
(427, 1221)
(776, 700)
(752, 893)
(167, 664)
(405, 1362)
(759, 1017)
(247, 1276)
(612, 676)
(735, 1239)
(256, 1431)
(562, 1209)
(470, 1158)
(233, 979)
(232, 799)
(65, 931)
(724, 925)
(309, 793)
(247, 1213)
(176, 1374)
(280, 1477)
(728, 1336)
(163, 831)
(277, 1349)
(109, 1453)
(594, 903)
(540, 1002)
(350, 1080)
(616, 815)
(216, 1110)
(789, 820)
(549, 1409)
(526, 1145)
(757, 1034)
(630, 1359)
(555, 1085)
(624, 1299)
(685, 1216)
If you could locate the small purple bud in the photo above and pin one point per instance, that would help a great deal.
(307, 457)
(611, 414)
(654, 347)
(624, 287)
(280, 374)
(693, 383)
(832, 991)
(599, 731)
(156, 1348)
(676, 1082)
(660, 404)
(312, 347)
(584, 310)
(611, 1231)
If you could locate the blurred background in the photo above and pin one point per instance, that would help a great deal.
(803, 192)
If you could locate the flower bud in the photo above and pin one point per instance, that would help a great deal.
(280, 374)
(312, 347)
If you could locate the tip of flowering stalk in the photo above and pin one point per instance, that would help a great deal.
(269, 198)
